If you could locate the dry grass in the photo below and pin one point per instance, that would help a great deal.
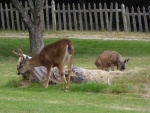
(136, 80)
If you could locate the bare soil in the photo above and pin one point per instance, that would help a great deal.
(82, 35)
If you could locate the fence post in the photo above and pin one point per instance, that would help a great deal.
(53, 15)
(117, 16)
(2, 16)
(106, 16)
(145, 19)
(17, 20)
(69, 17)
(139, 19)
(111, 17)
(124, 17)
(64, 17)
(7, 17)
(149, 11)
(80, 18)
(59, 16)
(128, 20)
(12, 17)
(47, 15)
(90, 16)
(96, 18)
(101, 16)
(85, 17)
(133, 19)
(75, 17)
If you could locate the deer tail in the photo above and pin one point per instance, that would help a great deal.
(70, 50)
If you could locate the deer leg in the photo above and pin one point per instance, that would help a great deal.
(100, 67)
(61, 70)
(117, 67)
(48, 76)
(69, 72)
(107, 69)
(112, 67)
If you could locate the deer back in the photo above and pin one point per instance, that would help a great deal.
(51, 55)
(57, 52)
(104, 59)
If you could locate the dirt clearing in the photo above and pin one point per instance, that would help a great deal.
(103, 35)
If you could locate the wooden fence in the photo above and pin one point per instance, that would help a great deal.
(82, 17)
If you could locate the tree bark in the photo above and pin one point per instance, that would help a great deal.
(36, 32)
(36, 25)
(36, 40)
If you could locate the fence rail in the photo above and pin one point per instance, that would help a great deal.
(82, 17)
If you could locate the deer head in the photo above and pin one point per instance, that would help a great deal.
(22, 59)
(23, 67)
(122, 64)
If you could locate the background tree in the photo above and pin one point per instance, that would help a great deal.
(34, 25)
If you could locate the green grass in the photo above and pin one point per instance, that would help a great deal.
(85, 50)
(52, 100)
(126, 95)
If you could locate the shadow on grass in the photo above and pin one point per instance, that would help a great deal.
(38, 86)
(89, 87)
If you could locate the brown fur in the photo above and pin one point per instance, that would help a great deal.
(50, 56)
(110, 59)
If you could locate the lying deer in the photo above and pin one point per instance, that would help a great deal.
(50, 56)
(110, 59)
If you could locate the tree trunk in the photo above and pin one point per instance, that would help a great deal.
(35, 25)
(36, 32)
(36, 40)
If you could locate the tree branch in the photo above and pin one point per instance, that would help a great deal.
(31, 5)
(39, 7)
(24, 14)
(39, 15)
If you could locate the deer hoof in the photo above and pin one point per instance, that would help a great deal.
(67, 89)
(46, 85)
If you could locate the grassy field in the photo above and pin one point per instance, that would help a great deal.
(128, 94)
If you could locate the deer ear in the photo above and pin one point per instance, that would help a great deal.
(126, 60)
(27, 58)
(20, 51)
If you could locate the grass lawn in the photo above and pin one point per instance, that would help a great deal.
(128, 94)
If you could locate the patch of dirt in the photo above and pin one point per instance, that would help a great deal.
(101, 37)
(84, 35)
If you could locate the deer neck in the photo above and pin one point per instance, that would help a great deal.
(34, 62)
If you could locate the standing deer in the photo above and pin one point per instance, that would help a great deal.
(52, 55)
(35, 74)
(110, 59)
